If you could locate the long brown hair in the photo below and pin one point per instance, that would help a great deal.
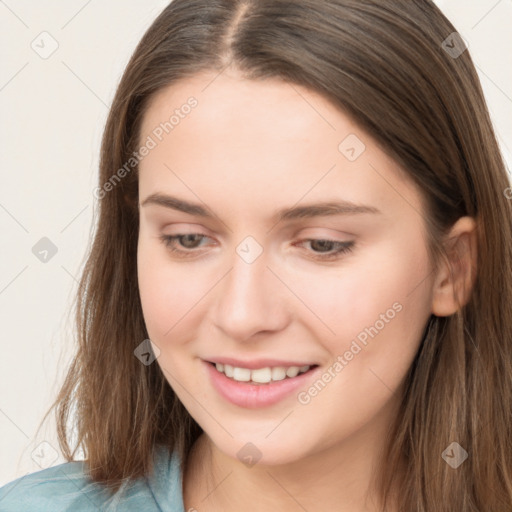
(387, 65)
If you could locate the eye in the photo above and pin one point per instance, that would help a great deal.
(324, 249)
(186, 240)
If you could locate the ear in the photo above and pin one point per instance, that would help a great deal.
(455, 278)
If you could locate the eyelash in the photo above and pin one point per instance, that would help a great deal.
(343, 247)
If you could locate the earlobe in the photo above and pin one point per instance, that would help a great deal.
(456, 277)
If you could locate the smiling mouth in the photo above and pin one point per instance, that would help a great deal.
(264, 375)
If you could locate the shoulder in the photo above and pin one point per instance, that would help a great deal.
(59, 487)
(67, 487)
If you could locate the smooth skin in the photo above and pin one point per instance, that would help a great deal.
(248, 149)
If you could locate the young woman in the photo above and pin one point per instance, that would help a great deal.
(298, 296)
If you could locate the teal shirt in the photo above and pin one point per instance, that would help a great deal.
(66, 487)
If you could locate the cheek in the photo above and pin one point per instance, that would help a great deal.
(379, 303)
(169, 301)
(378, 310)
(170, 305)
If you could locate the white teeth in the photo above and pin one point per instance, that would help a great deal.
(241, 374)
(260, 375)
(293, 371)
(279, 373)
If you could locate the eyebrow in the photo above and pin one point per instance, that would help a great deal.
(327, 208)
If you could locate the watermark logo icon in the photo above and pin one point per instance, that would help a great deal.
(147, 352)
(249, 249)
(45, 45)
(44, 455)
(454, 45)
(454, 455)
(249, 454)
(44, 250)
(351, 147)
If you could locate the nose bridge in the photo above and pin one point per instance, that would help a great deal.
(248, 300)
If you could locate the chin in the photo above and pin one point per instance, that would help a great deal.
(261, 450)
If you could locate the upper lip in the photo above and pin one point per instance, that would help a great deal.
(254, 364)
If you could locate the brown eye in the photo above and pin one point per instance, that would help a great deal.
(188, 242)
(322, 245)
(328, 249)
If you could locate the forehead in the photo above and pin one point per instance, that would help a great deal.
(263, 140)
(241, 109)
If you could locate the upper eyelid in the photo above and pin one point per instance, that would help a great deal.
(204, 235)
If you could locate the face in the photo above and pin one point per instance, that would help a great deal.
(243, 281)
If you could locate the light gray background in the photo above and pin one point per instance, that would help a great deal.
(53, 113)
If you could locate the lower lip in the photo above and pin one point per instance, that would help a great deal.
(253, 396)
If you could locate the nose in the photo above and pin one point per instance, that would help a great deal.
(251, 300)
